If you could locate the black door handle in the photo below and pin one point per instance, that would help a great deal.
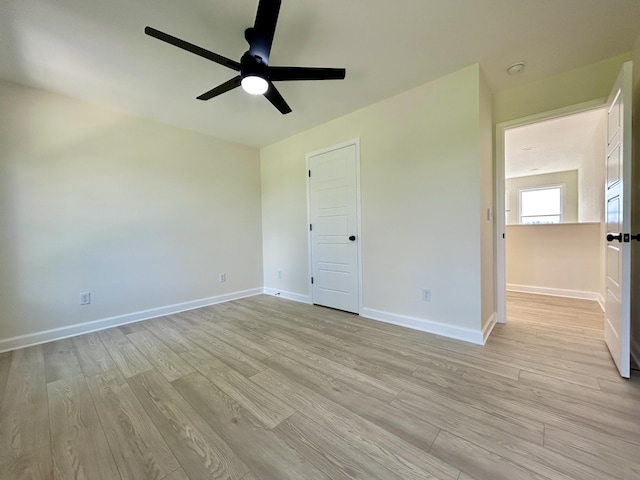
(352, 238)
(611, 237)
(635, 237)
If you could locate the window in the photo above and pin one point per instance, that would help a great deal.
(541, 205)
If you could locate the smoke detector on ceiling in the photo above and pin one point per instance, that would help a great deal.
(515, 68)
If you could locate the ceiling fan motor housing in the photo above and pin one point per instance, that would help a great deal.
(252, 65)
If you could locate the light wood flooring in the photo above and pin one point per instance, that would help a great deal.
(263, 388)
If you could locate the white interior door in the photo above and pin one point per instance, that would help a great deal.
(618, 220)
(334, 228)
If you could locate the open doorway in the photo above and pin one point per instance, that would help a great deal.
(550, 186)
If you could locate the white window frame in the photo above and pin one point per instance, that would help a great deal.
(559, 186)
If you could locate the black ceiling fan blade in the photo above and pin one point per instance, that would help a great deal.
(260, 37)
(273, 95)
(220, 89)
(282, 74)
(190, 47)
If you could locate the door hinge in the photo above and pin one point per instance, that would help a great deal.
(309, 173)
(310, 227)
(311, 280)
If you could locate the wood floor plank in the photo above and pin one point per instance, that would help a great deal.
(621, 460)
(5, 364)
(267, 408)
(226, 353)
(353, 355)
(199, 449)
(133, 328)
(180, 474)
(623, 405)
(370, 385)
(550, 408)
(244, 433)
(165, 360)
(483, 464)
(79, 445)
(24, 418)
(60, 360)
(92, 355)
(250, 476)
(397, 455)
(138, 448)
(245, 345)
(329, 447)
(124, 353)
(411, 428)
(169, 335)
(518, 449)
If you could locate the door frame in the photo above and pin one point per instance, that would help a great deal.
(501, 128)
(355, 142)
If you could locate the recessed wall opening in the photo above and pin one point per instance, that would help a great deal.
(553, 195)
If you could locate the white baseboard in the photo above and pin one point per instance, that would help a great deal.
(554, 292)
(450, 331)
(37, 338)
(635, 351)
(601, 302)
(488, 328)
(296, 297)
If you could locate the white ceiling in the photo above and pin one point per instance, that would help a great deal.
(97, 51)
(556, 145)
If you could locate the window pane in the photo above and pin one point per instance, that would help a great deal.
(546, 201)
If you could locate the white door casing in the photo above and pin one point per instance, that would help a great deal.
(334, 227)
(617, 327)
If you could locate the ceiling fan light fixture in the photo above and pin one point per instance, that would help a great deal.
(254, 84)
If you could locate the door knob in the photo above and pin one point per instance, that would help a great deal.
(352, 238)
(635, 237)
(611, 237)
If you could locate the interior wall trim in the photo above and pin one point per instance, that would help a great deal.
(554, 292)
(22, 341)
(424, 325)
(488, 328)
(296, 297)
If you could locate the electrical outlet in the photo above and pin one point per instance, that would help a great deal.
(426, 295)
(222, 277)
(85, 298)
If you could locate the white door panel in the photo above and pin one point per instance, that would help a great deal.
(333, 212)
(617, 329)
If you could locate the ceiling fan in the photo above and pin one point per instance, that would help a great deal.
(256, 76)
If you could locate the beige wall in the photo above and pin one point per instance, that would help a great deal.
(140, 214)
(591, 177)
(570, 195)
(558, 258)
(421, 201)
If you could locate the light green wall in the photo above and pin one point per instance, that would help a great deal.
(421, 201)
(568, 88)
(141, 214)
